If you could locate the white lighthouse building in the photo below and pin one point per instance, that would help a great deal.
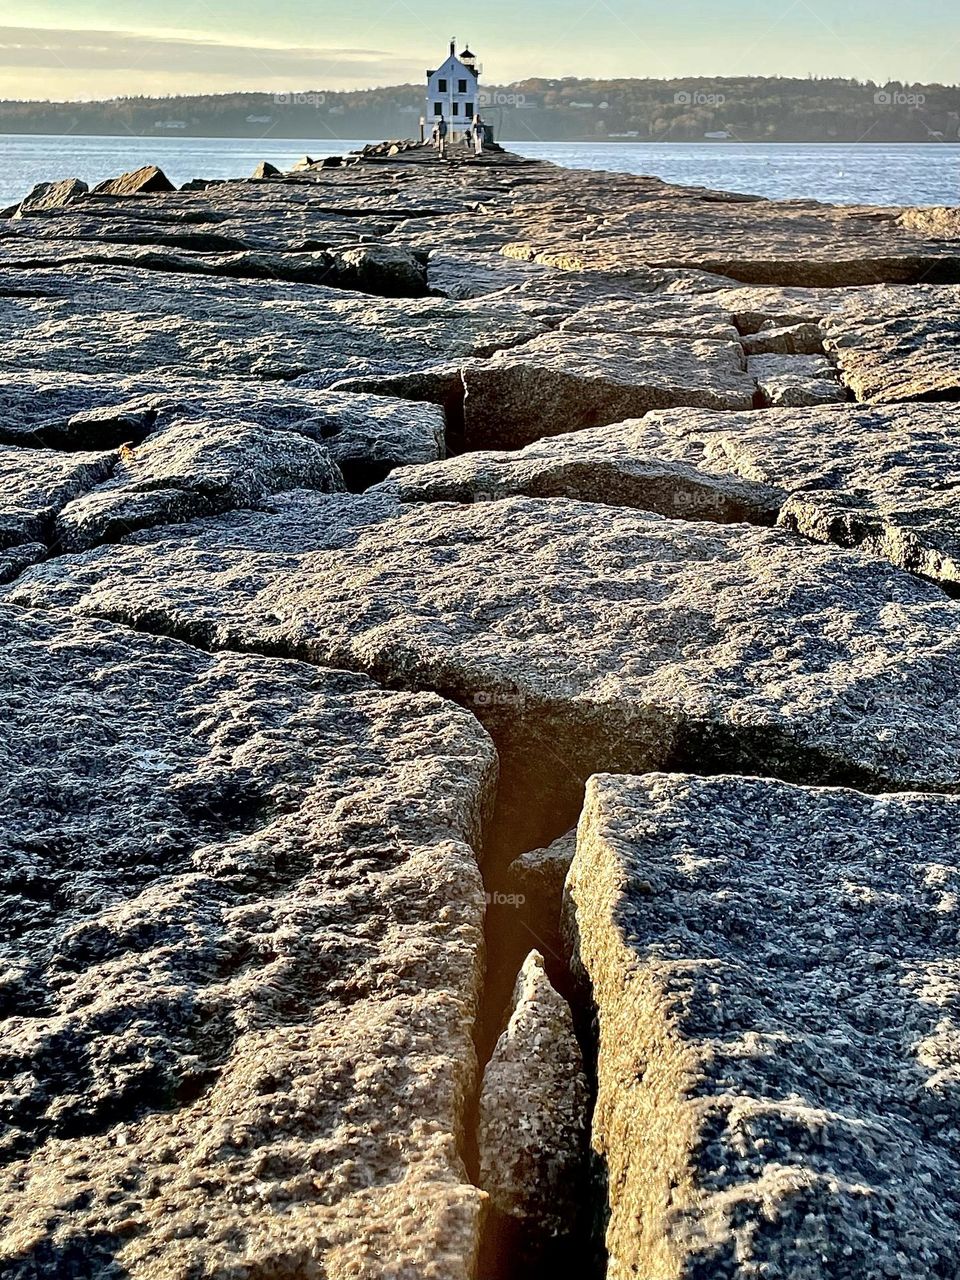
(452, 91)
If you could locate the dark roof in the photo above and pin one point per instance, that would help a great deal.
(467, 54)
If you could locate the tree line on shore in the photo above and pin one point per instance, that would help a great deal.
(748, 109)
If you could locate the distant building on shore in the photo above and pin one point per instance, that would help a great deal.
(453, 91)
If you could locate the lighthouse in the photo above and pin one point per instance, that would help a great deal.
(452, 91)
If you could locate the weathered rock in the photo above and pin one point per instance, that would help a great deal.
(121, 321)
(562, 382)
(537, 879)
(13, 560)
(382, 269)
(761, 242)
(265, 170)
(366, 435)
(639, 227)
(879, 478)
(195, 468)
(239, 1022)
(678, 316)
(533, 1125)
(584, 638)
(51, 195)
(774, 970)
(793, 340)
(453, 274)
(932, 221)
(202, 184)
(918, 531)
(541, 872)
(36, 483)
(628, 464)
(794, 381)
(241, 970)
(139, 182)
(912, 354)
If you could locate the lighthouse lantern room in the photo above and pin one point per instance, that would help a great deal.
(453, 90)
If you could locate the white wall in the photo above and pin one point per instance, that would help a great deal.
(454, 73)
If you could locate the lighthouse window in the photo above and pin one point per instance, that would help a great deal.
(442, 86)
(468, 110)
(456, 108)
(438, 108)
(461, 86)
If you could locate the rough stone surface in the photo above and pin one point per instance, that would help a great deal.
(790, 382)
(366, 435)
(369, 435)
(243, 950)
(51, 195)
(537, 878)
(122, 320)
(381, 269)
(775, 971)
(541, 872)
(265, 170)
(195, 469)
(560, 382)
(642, 222)
(245, 909)
(453, 274)
(794, 340)
(622, 464)
(919, 531)
(911, 354)
(696, 317)
(884, 479)
(533, 1109)
(36, 483)
(13, 560)
(145, 181)
(584, 638)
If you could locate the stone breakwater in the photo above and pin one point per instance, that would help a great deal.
(481, 671)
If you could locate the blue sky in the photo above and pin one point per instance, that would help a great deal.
(95, 48)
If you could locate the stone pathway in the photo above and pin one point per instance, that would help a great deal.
(483, 668)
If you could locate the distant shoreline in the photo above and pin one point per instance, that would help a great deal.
(681, 111)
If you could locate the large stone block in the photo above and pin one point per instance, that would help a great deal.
(775, 972)
(242, 924)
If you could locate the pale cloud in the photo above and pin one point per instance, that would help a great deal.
(120, 62)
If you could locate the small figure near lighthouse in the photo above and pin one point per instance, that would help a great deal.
(452, 92)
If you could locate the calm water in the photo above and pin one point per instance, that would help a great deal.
(866, 174)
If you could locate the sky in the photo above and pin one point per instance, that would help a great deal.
(106, 48)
